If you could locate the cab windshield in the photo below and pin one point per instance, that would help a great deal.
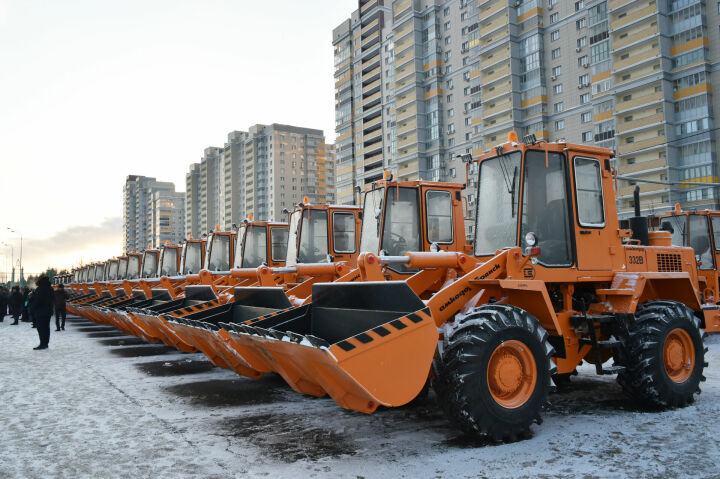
(313, 237)
(149, 264)
(133, 269)
(192, 257)
(292, 254)
(372, 221)
(168, 262)
(401, 228)
(122, 269)
(677, 225)
(498, 183)
(255, 252)
(239, 243)
(545, 207)
(113, 274)
(279, 246)
(691, 230)
(219, 253)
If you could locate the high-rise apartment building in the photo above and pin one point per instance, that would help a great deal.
(192, 200)
(168, 217)
(421, 82)
(150, 210)
(259, 172)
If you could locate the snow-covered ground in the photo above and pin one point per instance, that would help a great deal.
(100, 404)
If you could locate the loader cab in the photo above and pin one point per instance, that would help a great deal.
(220, 250)
(112, 269)
(553, 196)
(699, 230)
(132, 266)
(150, 259)
(401, 217)
(193, 256)
(323, 234)
(169, 260)
(252, 247)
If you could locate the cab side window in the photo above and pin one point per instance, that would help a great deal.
(439, 217)
(344, 232)
(588, 186)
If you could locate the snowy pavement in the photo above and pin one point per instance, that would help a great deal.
(100, 404)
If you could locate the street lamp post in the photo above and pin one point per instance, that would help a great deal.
(12, 263)
(21, 267)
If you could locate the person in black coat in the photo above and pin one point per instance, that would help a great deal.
(60, 296)
(26, 302)
(3, 303)
(16, 303)
(41, 310)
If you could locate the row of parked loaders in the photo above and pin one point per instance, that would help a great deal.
(371, 304)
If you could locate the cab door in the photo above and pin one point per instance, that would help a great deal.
(591, 239)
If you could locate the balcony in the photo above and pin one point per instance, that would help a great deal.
(639, 123)
(500, 107)
(407, 140)
(368, 6)
(637, 101)
(497, 74)
(627, 148)
(637, 58)
(494, 25)
(643, 166)
(632, 17)
(370, 26)
(648, 33)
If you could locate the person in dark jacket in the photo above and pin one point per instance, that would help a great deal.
(26, 301)
(41, 309)
(60, 296)
(3, 303)
(16, 303)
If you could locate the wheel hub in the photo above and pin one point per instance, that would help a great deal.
(678, 355)
(511, 374)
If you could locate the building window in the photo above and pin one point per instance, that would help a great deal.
(559, 107)
(586, 117)
(587, 136)
(630, 139)
(449, 98)
(584, 80)
(557, 89)
(447, 26)
(584, 98)
(447, 40)
(451, 112)
(554, 17)
(580, 24)
(579, 5)
(583, 61)
(581, 42)
(554, 35)
(552, 3)
(559, 125)
(556, 53)
(557, 71)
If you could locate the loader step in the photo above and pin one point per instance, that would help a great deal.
(602, 343)
(578, 319)
(613, 370)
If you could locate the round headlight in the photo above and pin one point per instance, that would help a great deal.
(530, 239)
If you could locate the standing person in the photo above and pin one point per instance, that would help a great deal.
(24, 309)
(16, 303)
(60, 296)
(3, 303)
(41, 309)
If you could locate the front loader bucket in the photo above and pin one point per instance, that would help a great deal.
(365, 344)
(203, 328)
(150, 318)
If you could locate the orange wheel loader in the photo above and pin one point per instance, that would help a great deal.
(552, 281)
(701, 231)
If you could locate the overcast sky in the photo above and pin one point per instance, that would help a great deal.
(94, 90)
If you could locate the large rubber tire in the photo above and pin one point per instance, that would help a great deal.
(462, 383)
(646, 378)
